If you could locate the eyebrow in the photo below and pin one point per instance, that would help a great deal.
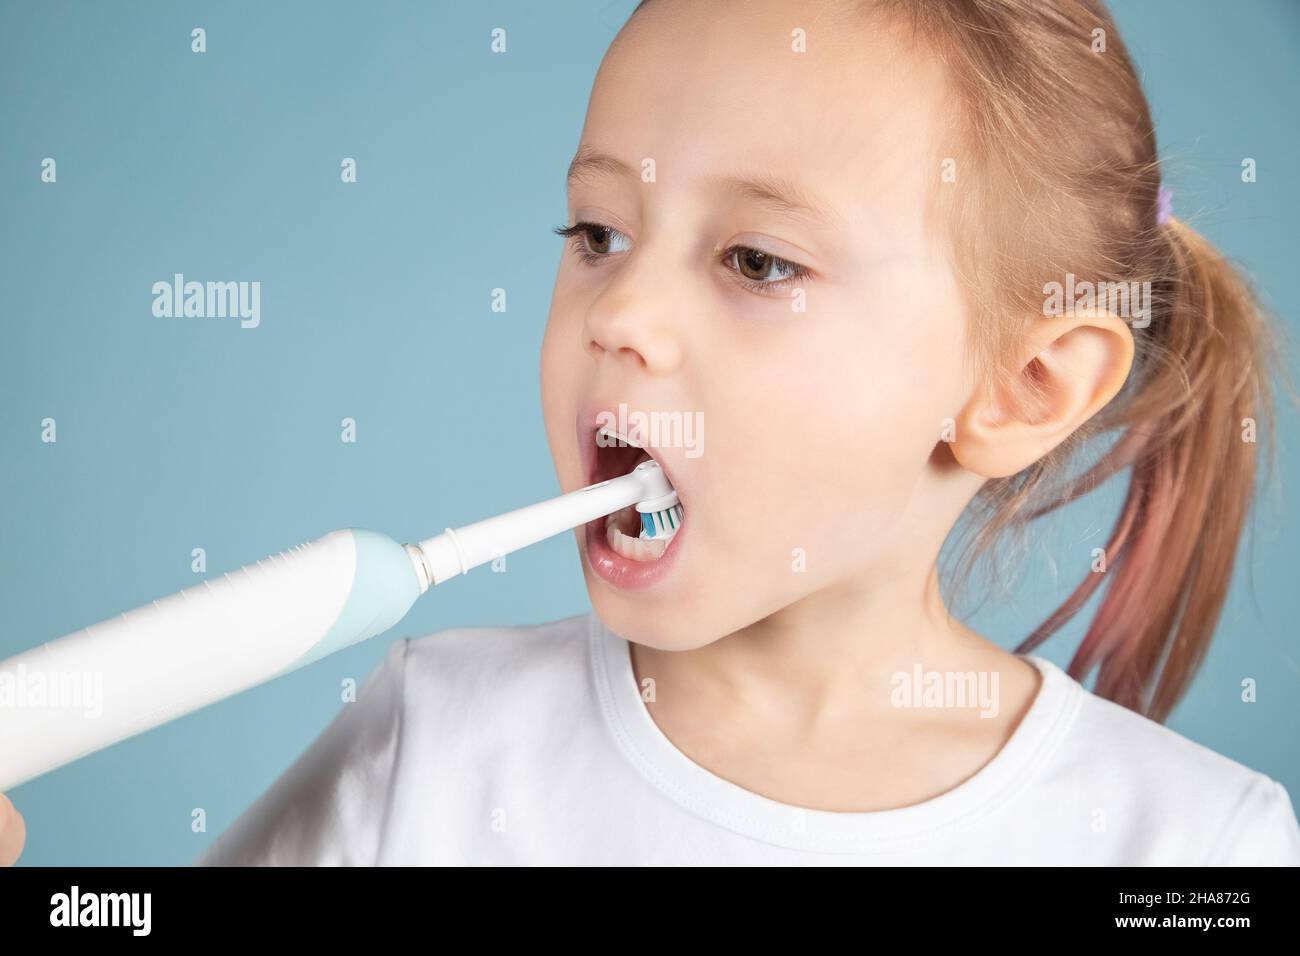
(780, 195)
(588, 162)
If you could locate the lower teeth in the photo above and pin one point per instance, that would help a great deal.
(637, 549)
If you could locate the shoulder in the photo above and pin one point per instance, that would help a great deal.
(431, 701)
(1173, 792)
(464, 669)
(482, 654)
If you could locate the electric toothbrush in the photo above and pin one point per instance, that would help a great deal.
(217, 638)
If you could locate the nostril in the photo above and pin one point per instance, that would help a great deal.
(634, 354)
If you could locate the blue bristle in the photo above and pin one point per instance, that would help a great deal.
(658, 524)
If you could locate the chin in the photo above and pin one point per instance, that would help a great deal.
(648, 623)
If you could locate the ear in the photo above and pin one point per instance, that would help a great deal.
(1069, 368)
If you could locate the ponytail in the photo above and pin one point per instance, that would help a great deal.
(1201, 397)
(1029, 78)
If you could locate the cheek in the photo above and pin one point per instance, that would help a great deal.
(824, 444)
(551, 373)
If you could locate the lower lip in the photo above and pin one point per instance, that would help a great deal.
(610, 566)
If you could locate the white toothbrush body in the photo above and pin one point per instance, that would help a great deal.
(175, 655)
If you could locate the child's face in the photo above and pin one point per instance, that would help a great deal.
(813, 476)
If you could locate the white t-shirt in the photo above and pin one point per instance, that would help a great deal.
(532, 745)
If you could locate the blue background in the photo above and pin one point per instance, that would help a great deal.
(183, 433)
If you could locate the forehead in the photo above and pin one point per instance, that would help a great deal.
(714, 89)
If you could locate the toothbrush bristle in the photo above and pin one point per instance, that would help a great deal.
(661, 524)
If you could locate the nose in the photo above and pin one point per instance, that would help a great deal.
(633, 319)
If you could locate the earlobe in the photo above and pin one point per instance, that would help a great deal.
(1069, 368)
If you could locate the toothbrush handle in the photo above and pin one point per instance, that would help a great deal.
(143, 668)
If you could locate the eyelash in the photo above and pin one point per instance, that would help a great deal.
(580, 231)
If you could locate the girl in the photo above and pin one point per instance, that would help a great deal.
(835, 234)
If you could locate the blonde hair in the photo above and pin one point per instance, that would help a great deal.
(1060, 131)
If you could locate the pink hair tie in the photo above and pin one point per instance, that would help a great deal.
(1164, 205)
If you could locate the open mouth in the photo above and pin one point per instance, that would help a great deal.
(626, 539)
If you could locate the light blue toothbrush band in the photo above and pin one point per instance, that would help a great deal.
(384, 587)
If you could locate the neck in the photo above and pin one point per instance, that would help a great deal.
(822, 654)
(836, 650)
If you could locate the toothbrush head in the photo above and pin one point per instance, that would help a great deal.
(654, 483)
(661, 515)
(660, 509)
(660, 525)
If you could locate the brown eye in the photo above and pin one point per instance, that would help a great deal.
(592, 242)
(598, 245)
(754, 264)
(763, 272)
